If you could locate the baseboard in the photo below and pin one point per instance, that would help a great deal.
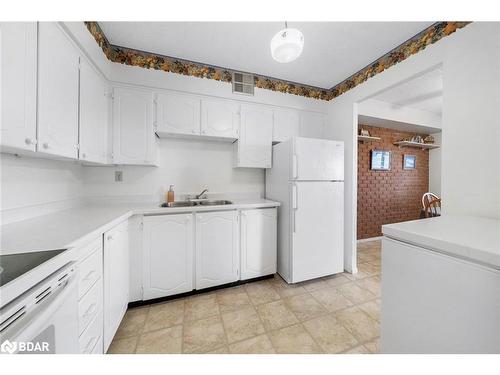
(195, 292)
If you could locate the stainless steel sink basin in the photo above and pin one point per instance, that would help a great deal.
(196, 203)
(214, 203)
(179, 204)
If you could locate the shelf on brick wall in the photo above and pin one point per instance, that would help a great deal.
(367, 138)
(423, 146)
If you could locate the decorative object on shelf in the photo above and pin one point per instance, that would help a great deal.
(380, 160)
(364, 132)
(429, 139)
(287, 44)
(409, 162)
(417, 139)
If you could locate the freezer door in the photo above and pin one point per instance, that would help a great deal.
(317, 229)
(317, 160)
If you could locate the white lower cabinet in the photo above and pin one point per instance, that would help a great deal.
(90, 297)
(258, 242)
(168, 249)
(217, 250)
(184, 252)
(116, 279)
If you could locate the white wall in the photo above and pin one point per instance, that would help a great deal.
(29, 186)
(388, 111)
(435, 166)
(190, 165)
(469, 58)
(471, 123)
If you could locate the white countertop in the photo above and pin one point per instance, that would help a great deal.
(70, 227)
(473, 238)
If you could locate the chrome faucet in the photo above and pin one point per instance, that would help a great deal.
(201, 194)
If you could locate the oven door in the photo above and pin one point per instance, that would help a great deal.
(50, 327)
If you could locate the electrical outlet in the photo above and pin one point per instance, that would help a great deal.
(118, 176)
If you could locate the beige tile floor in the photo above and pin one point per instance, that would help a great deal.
(336, 314)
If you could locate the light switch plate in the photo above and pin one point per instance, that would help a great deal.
(118, 176)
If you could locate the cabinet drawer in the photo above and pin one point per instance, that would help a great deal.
(92, 336)
(89, 305)
(90, 270)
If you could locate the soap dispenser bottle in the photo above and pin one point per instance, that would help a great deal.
(170, 194)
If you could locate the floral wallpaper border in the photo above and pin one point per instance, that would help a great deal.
(149, 60)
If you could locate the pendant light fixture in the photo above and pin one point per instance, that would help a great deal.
(287, 44)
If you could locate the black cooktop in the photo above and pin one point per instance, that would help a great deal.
(14, 265)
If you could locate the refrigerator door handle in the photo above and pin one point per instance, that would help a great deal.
(294, 205)
(295, 166)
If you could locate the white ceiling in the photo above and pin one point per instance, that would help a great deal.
(332, 50)
(424, 92)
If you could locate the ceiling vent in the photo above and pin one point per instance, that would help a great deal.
(243, 83)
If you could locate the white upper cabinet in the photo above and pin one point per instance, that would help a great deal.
(58, 62)
(133, 133)
(254, 146)
(258, 243)
(286, 124)
(177, 114)
(220, 118)
(93, 115)
(217, 248)
(312, 124)
(18, 54)
(168, 255)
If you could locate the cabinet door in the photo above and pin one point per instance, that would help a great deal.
(177, 114)
(217, 250)
(168, 255)
(18, 54)
(258, 243)
(255, 140)
(220, 118)
(116, 279)
(58, 62)
(93, 115)
(133, 133)
(286, 124)
(312, 124)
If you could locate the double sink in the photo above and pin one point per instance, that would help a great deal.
(196, 203)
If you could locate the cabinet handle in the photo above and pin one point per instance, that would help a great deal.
(90, 344)
(30, 141)
(90, 310)
(203, 132)
(45, 145)
(110, 238)
(84, 155)
(87, 277)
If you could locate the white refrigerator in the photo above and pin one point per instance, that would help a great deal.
(307, 178)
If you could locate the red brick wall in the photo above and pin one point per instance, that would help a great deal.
(389, 196)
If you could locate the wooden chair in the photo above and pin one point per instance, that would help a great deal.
(427, 197)
(432, 207)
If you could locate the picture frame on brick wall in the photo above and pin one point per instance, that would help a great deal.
(409, 162)
(380, 160)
